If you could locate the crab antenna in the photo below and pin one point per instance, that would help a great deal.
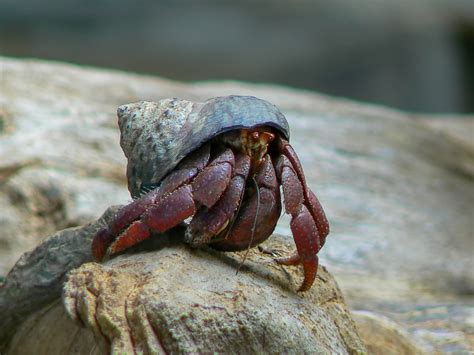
(253, 227)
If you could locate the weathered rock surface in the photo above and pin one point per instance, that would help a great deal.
(37, 278)
(383, 336)
(179, 300)
(397, 188)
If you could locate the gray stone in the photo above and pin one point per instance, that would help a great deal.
(37, 278)
(173, 300)
(179, 300)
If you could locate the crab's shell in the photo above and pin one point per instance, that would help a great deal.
(156, 136)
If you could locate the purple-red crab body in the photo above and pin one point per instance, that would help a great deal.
(229, 191)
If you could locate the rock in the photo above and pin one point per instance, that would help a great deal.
(51, 331)
(383, 336)
(180, 300)
(36, 279)
(60, 164)
(434, 327)
(397, 188)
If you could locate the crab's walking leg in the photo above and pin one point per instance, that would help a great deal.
(208, 222)
(126, 216)
(307, 243)
(165, 214)
(171, 209)
(210, 184)
(303, 224)
(259, 211)
(311, 201)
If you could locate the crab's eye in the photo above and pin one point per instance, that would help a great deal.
(269, 136)
(255, 136)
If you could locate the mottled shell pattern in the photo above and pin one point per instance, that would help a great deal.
(156, 136)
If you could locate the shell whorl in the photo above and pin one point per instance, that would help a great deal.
(156, 136)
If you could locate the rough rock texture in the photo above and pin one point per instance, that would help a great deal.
(397, 188)
(60, 162)
(37, 278)
(179, 300)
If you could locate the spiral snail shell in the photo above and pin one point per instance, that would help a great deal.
(156, 136)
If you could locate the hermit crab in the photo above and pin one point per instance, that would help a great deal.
(216, 167)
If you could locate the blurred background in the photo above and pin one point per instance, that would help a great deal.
(415, 55)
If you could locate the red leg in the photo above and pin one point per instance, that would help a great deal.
(172, 207)
(186, 170)
(124, 217)
(211, 183)
(165, 214)
(309, 224)
(306, 238)
(129, 214)
(207, 223)
(167, 205)
(134, 234)
(319, 217)
(312, 202)
(266, 201)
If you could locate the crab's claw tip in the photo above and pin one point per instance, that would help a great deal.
(100, 243)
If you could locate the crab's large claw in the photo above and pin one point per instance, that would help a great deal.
(309, 224)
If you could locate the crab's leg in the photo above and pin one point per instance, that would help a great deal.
(311, 201)
(303, 224)
(258, 214)
(168, 210)
(126, 216)
(210, 184)
(185, 171)
(167, 213)
(318, 215)
(307, 243)
(208, 222)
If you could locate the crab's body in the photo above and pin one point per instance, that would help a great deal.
(228, 186)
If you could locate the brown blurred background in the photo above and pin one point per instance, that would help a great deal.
(411, 54)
